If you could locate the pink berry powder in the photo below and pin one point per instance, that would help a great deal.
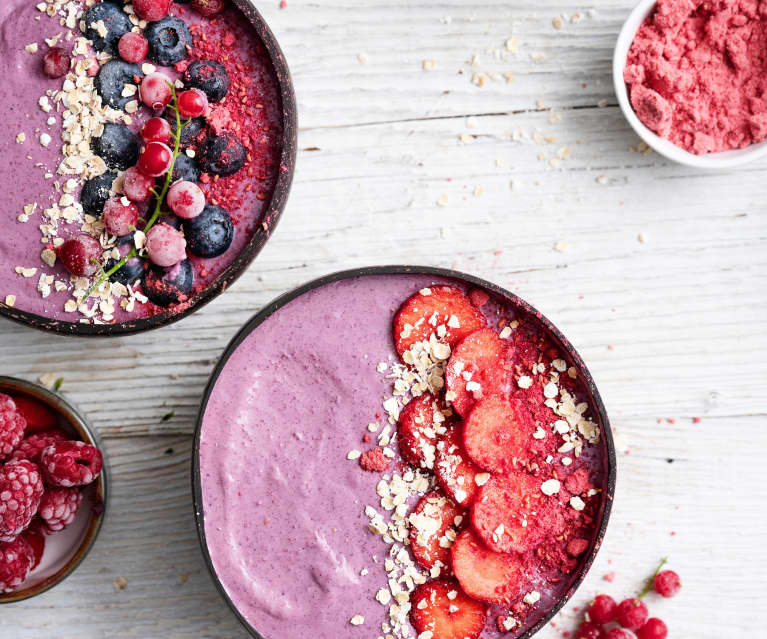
(697, 73)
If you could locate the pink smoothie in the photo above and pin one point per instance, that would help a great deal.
(284, 508)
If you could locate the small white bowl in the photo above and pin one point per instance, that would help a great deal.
(719, 160)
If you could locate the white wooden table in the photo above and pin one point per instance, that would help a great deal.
(403, 165)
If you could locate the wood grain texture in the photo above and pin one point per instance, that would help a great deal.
(672, 327)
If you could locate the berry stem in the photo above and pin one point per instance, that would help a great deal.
(651, 581)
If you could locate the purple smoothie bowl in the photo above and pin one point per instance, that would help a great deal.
(203, 444)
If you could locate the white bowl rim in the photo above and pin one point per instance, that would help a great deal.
(719, 160)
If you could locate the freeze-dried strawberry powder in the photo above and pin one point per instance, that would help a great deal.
(696, 73)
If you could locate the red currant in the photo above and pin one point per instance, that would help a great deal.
(192, 103)
(151, 10)
(156, 130)
(589, 630)
(133, 47)
(602, 609)
(80, 255)
(667, 583)
(208, 8)
(56, 62)
(631, 613)
(120, 216)
(137, 186)
(653, 629)
(165, 245)
(156, 91)
(620, 633)
(186, 199)
(156, 159)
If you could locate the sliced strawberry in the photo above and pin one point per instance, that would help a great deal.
(433, 528)
(478, 368)
(419, 421)
(498, 434)
(39, 416)
(504, 512)
(35, 537)
(422, 313)
(443, 609)
(489, 576)
(456, 473)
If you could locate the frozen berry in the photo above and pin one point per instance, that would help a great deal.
(120, 216)
(620, 633)
(137, 186)
(133, 47)
(58, 507)
(209, 76)
(193, 133)
(155, 91)
(602, 609)
(169, 40)
(210, 233)
(209, 8)
(589, 630)
(96, 192)
(166, 286)
(653, 629)
(115, 21)
(223, 155)
(93, 68)
(667, 583)
(192, 103)
(156, 159)
(112, 79)
(12, 425)
(16, 560)
(70, 463)
(129, 273)
(32, 445)
(56, 62)
(151, 10)
(631, 613)
(35, 537)
(117, 146)
(21, 488)
(156, 130)
(186, 199)
(186, 168)
(80, 255)
(39, 417)
(165, 245)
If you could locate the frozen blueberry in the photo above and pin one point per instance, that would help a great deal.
(133, 270)
(210, 233)
(186, 168)
(173, 220)
(168, 41)
(210, 77)
(192, 134)
(96, 192)
(115, 20)
(166, 286)
(223, 155)
(117, 146)
(111, 81)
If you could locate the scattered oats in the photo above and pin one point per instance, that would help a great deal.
(512, 45)
(428, 65)
(560, 246)
(442, 201)
(532, 597)
(21, 138)
(363, 59)
(560, 365)
(505, 332)
(557, 22)
(642, 238)
(525, 381)
(190, 153)
(353, 454)
(383, 596)
(566, 461)
(26, 272)
(465, 138)
(48, 379)
(577, 503)
(357, 620)
(31, 48)
(70, 306)
(550, 487)
(481, 478)
(10, 300)
(539, 433)
(602, 180)
(478, 190)
(45, 139)
(48, 256)
(550, 390)
(602, 104)
(121, 583)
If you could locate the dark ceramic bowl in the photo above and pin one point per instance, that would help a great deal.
(262, 233)
(64, 550)
(523, 308)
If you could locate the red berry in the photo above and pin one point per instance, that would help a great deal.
(80, 255)
(374, 460)
(32, 445)
(39, 416)
(631, 613)
(186, 199)
(430, 521)
(156, 159)
(209, 8)
(498, 431)
(120, 216)
(12, 425)
(70, 463)
(156, 90)
(441, 609)
(455, 472)
(58, 507)
(165, 245)
(93, 67)
(620, 633)
(192, 103)
(35, 537)
(133, 47)
(151, 10)
(653, 629)
(667, 583)
(589, 630)
(137, 186)
(56, 62)
(602, 609)
(156, 130)
(21, 487)
(16, 559)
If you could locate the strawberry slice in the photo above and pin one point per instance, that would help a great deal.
(39, 416)
(443, 609)
(419, 423)
(478, 368)
(433, 528)
(504, 512)
(456, 473)
(498, 434)
(423, 313)
(489, 576)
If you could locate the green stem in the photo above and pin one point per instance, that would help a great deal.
(651, 581)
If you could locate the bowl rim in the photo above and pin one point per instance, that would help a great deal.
(78, 422)
(399, 269)
(271, 216)
(666, 148)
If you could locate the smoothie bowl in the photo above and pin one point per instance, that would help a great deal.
(400, 451)
(149, 153)
(53, 489)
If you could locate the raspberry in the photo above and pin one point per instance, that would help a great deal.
(35, 537)
(589, 630)
(21, 488)
(58, 507)
(16, 559)
(620, 633)
(12, 426)
(631, 613)
(56, 62)
(70, 463)
(653, 629)
(32, 445)
(602, 609)
(667, 583)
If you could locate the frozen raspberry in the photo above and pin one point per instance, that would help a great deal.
(12, 425)
(631, 613)
(56, 62)
(21, 488)
(374, 461)
(32, 445)
(133, 47)
(589, 630)
(209, 8)
(70, 463)
(602, 609)
(653, 629)
(151, 10)
(16, 559)
(620, 633)
(35, 537)
(667, 583)
(58, 507)
(120, 216)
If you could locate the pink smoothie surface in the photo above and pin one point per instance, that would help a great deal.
(283, 507)
(697, 73)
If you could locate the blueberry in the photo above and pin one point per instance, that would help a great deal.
(192, 133)
(168, 39)
(210, 77)
(210, 233)
(133, 270)
(111, 81)
(186, 168)
(166, 286)
(115, 20)
(96, 192)
(223, 154)
(172, 220)
(117, 146)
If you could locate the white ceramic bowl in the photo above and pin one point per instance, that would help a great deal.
(720, 160)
